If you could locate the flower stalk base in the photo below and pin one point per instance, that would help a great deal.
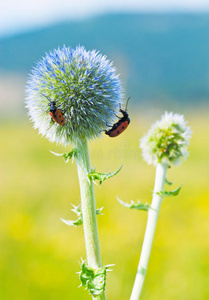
(153, 213)
(88, 209)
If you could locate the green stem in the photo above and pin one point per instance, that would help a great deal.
(88, 208)
(153, 213)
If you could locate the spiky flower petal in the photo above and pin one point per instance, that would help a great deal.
(84, 86)
(167, 140)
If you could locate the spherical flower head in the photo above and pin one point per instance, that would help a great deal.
(167, 140)
(80, 87)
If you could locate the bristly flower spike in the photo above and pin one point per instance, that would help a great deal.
(85, 88)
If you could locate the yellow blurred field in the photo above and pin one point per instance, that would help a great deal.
(39, 255)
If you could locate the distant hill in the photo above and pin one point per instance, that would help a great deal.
(159, 56)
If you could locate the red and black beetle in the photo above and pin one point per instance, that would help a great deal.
(55, 113)
(121, 125)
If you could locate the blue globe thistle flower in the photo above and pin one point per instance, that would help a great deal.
(82, 85)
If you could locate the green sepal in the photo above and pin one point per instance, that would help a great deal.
(170, 193)
(168, 182)
(78, 211)
(93, 175)
(67, 156)
(93, 279)
(139, 205)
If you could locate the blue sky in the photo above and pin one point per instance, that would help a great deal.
(21, 15)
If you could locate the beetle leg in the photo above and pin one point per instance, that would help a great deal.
(108, 125)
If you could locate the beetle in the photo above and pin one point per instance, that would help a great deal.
(55, 113)
(121, 125)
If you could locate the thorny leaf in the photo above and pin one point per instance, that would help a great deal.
(170, 193)
(139, 205)
(67, 156)
(93, 175)
(93, 279)
(78, 211)
(168, 182)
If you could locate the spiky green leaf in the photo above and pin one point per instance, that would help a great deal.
(170, 193)
(93, 175)
(67, 156)
(79, 221)
(168, 182)
(139, 205)
(93, 279)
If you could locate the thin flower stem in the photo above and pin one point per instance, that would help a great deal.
(153, 213)
(88, 208)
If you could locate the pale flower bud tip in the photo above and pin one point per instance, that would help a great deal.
(167, 140)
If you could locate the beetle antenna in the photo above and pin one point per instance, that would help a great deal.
(127, 103)
(46, 97)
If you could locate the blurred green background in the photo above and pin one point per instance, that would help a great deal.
(164, 64)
